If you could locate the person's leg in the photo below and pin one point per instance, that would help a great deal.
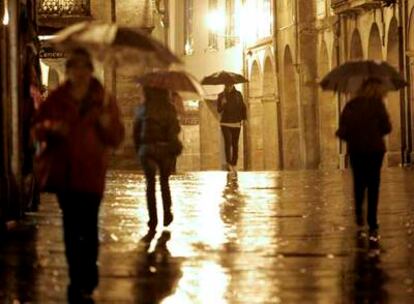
(374, 179)
(357, 164)
(235, 134)
(165, 171)
(227, 143)
(150, 167)
(80, 229)
(90, 239)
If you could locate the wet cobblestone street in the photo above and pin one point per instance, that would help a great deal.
(271, 237)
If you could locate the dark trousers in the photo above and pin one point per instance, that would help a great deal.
(366, 170)
(150, 165)
(80, 231)
(231, 144)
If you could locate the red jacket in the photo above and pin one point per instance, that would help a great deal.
(78, 154)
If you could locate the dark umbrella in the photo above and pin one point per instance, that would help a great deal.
(172, 80)
(348, 77)
(223, 77)
(109, 42)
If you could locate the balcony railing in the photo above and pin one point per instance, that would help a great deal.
(64, 8)
(353, 6)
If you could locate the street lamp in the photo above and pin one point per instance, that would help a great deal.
(216, 21)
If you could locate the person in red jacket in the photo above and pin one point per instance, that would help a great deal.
(363, 124)
(75, 127)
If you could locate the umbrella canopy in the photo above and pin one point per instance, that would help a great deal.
(110, 42)
(223, 77)
(349, 77)
(180, 81)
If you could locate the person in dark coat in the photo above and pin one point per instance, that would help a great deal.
(75, 127)
(363, 124)
(233, 111)
(155, 133)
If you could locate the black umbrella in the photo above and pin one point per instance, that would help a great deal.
(349, 77)
(223, 77)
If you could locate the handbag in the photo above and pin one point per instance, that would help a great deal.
(51, 170)
(175, 147)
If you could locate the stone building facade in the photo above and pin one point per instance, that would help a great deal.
(285, 48)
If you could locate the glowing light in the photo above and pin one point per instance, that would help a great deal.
(6, 17)
(216, 21)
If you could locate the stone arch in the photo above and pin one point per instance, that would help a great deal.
(327, 116)
(254, 80)
(53, 79)
(374, 43)
(356, 51)
(270, 119)
(393, 99)
(290, 114)
(254, 157)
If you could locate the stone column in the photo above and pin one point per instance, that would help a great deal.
(307, 65)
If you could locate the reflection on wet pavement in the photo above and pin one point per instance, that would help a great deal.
(279, 237)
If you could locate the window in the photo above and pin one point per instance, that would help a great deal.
(230, 24)
(212, 36)
(266, 19)
(188, 26)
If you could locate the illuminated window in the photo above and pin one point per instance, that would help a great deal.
(212, 35)
(188, 26)
(265, 16)
(230, 24)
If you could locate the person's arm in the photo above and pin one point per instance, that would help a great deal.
(48, 122)
(136, 131)
(220, 102)
(244, 110)
(342, 131)
(384, 121)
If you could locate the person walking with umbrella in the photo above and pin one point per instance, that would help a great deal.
(233, 112)
(76, 126)
(363, 124)
(155, 132)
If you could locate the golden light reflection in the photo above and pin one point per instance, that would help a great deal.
(216, 21)
(6, 17)
(205, 285)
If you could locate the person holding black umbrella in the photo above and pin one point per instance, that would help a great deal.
(231, 106)
(363, 124)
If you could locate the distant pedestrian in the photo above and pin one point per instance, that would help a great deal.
(233, 112)
(363, 124)
(156, 130)
(75, 126)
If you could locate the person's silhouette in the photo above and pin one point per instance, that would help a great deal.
(158, 272)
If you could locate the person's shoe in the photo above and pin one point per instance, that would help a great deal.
(79, 296)
(146, 239)
(373, 235)
(168, 218)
